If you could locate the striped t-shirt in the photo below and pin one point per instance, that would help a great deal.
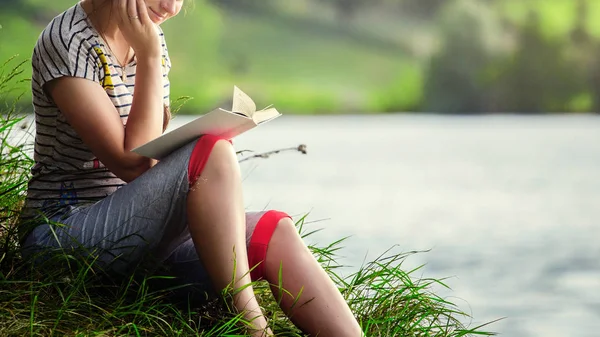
(66, 172)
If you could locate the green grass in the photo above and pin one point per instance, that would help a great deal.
(70, 296)
(14, 164)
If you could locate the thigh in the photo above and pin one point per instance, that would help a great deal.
(144, 215)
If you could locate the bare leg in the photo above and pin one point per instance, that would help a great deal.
(217, 224)
(326, 313)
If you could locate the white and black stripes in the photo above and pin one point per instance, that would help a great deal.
(65, 170)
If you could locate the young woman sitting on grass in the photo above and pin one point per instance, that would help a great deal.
(100, 88)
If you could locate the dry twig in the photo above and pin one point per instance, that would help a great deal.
(300, 148)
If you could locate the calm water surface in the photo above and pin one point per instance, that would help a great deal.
(508, 205)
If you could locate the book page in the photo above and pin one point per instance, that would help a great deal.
(265, 115)
(242, 103)
(218, 122)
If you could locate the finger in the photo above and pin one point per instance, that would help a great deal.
(132, 10)
(143, 12)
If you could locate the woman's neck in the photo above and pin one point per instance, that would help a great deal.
(103, 16)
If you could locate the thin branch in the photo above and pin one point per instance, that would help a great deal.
(300, 148)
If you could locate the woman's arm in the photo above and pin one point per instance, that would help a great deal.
(99, 124)
(145, 119)
(90, 112)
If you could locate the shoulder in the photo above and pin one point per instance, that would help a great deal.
(66, 48)
(65, 35)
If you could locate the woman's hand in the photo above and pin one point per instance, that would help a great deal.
(137, 28)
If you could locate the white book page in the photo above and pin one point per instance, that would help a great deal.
(265, 115)
(242, 103)
(218, 122)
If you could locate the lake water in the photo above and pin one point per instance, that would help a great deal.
(508, 205)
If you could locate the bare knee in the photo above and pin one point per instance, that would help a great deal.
(286, 229)
(212, 157)
(222, 153)
(222, 162)
(285, 239)
(286, 250)
(273, 229)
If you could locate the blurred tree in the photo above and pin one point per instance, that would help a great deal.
(585, 51)
(594, 81)
(455, 81)
(540, 77)
(427, 9)
(247, 4)
(579, 34)
(12, 4)
(346, 9)
(473, 72)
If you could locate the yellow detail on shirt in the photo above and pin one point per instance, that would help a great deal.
(107, 82)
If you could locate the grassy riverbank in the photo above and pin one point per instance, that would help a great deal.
(72, 297)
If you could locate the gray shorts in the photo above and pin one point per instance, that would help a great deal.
(144, 217)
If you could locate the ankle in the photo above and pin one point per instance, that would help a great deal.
(261, 333)
(257, 324)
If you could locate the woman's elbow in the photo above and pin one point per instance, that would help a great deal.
(131, 172)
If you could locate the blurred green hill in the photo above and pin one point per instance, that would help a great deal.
(351, 56)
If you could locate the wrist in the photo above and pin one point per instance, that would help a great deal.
(148, 59)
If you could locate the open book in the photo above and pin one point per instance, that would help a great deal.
(219, 122)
